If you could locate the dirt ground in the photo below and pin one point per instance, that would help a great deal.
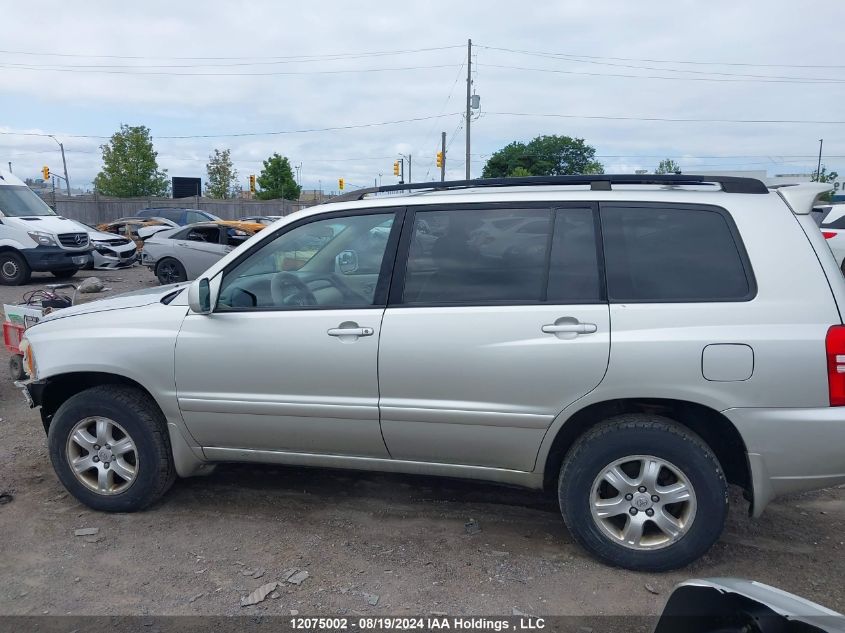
(371, 543)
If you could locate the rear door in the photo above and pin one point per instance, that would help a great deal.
(497, 321)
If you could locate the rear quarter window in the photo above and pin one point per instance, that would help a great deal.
(673, 253)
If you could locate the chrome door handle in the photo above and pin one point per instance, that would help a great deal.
(350, 331)
(572, 328)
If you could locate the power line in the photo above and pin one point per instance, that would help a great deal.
(242, 134)
(317, 56)
(628, 76)
(222, 74)
(664, 119)
(658, 61)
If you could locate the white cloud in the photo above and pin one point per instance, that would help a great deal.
(776, 32)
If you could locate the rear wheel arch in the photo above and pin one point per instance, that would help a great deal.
(717, 431)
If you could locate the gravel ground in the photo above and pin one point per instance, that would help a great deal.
(370, 543)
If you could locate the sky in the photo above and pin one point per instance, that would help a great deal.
(344, 88)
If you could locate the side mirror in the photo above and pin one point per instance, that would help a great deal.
(347, 262)
(199, 296)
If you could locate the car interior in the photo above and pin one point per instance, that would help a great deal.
(325, 263)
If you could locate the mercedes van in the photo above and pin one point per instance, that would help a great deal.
(34, 239)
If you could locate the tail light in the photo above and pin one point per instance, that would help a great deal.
(828, 234)
(835, 348)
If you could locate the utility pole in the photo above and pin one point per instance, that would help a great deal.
(443, 156)
(469, 103)
(409, 168)
(401, 171)
(819, 168)
(64, 163)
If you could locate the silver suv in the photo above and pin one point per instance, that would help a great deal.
(633, 343)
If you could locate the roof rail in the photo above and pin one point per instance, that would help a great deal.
(597, 182)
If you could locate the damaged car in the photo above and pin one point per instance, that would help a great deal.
(182, 254)
(111, 251)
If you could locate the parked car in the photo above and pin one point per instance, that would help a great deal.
(111, 251)
(266, 220)
(34, 238)
(137, 229)
(183, 253)
(831, 221)
(181, 217)
(662, 348)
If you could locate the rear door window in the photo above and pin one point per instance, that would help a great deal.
(462, 256)
(574, 275)
(673, 253)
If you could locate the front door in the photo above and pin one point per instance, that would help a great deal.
(287, 361)
(199, 248)
(499, 323)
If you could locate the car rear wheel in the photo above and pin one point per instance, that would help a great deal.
(14, 270)
(643, 492)
(109, 447)
(170, 271)
(65, 274)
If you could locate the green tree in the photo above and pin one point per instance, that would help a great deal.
(222, 180)
(668, 166)
(550, 155)
(276, 180)
(129, 165)
(519, 172)
(825, 176)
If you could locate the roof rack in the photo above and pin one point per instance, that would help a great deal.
(597, 182)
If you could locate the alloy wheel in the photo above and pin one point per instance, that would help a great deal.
(102, 455)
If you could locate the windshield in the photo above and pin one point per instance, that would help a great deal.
(19, 202)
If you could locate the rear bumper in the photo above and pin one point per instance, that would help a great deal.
(791, 450)
(48, 258)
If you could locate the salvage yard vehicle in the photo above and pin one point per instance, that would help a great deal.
(111, 251)
(266, 220)
(650, 347)
(831, 220)
(136, 229)
(181, 217)
(34, 238)
(182, 254)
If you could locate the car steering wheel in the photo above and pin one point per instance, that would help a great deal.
(289, 290)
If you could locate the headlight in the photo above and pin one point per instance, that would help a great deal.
(42, 239)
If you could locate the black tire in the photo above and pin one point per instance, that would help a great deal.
(140, 416)
(170, 271)
(652, 435)
(16, 367)
(14, 270)
(65, 274)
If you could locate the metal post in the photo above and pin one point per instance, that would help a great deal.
(64, 164)
(53, 180)
(401, 171)
(469, 102)
(10, 167)
(409, 168)
(442, 156)
(819, 168)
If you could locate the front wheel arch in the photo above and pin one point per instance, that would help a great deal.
(58, 389)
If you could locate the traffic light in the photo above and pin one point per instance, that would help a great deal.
(45, 171)
(340, 183)
(396, 168)
(252, 183)
(440, 159)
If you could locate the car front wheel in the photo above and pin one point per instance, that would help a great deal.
(14, 270)
(109, 447)
(643, 492)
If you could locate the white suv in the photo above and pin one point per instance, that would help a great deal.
(642, 346)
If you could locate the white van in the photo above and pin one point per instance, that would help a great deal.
(34, 238)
